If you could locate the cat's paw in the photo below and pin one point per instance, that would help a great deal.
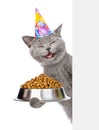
(36, 103)
(69, 91)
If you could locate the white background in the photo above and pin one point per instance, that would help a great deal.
(17, 66)
(86, 64)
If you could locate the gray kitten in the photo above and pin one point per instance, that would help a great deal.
(50, 52)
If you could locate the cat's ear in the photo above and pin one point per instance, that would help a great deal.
(58, 30)
(28, 40)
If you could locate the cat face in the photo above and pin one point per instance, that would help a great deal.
(47, 50)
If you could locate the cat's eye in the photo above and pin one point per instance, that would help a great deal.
(52, 42)
(41, 46)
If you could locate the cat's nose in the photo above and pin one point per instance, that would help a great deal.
(48, 48)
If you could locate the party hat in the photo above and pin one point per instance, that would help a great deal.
(41, 28)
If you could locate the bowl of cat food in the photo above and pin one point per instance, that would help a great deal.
(43, 87)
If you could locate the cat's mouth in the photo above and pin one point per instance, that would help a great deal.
(49, 55)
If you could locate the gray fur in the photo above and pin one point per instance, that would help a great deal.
(59, 66)
(36, 103)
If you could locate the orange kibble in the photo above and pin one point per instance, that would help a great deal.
(41, 82)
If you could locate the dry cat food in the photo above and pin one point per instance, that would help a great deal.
(41, 82)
